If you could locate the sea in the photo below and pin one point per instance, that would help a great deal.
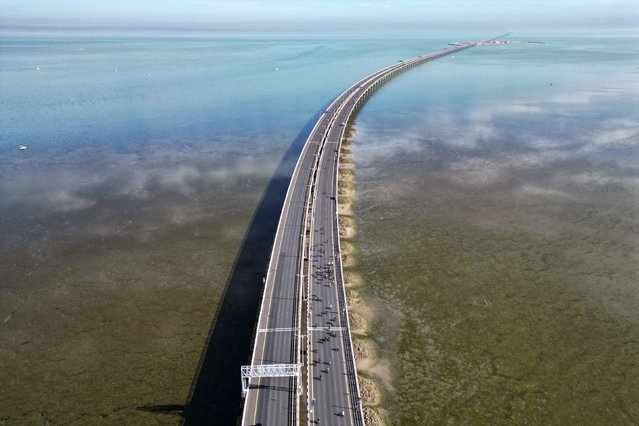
(141, 175)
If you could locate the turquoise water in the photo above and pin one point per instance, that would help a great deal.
(127, 118)
(118, 115)
(148, 154)
(130, 89)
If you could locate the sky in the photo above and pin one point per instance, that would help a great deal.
(316, 13)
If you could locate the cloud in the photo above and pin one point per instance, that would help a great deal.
(181, 179)
(486, 113)
(473, 149)
(623, 137)
(540, 191)
(50, 192)
(604, 178)
(181, 214)
(474, 171)
(65, 201)
(577, 98)
(380, 145)
(88, 180)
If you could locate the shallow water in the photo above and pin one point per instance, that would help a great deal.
(122, 222)
(498, 199)
(147, 157)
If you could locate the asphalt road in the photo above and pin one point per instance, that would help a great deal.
(309, 228)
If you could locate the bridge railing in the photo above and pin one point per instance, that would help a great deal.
(377, 78)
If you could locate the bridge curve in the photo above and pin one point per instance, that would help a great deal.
(303, 319)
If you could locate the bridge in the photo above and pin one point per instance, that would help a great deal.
(303, 367)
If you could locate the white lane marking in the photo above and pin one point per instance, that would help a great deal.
(268, 330)
(327, 328)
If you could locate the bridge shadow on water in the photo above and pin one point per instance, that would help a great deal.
(216, 392)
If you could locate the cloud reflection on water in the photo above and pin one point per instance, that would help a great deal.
(477, 147)
(51, 190)
(544, 169)
(102, 194)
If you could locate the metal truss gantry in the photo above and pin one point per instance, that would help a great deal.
(268, 370)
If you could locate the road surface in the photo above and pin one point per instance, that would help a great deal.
(305, 278)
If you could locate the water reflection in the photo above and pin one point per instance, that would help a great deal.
(112, 266)
(498, 234)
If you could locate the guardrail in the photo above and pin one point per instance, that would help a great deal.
(369, 84)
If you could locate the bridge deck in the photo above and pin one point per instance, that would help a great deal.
(309, 228)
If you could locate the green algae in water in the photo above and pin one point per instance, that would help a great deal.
(492, 335)
(498, 238)
(114, 330)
